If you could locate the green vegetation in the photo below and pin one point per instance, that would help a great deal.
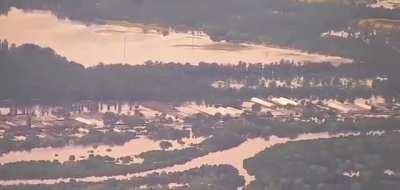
(321, 164)
(205, 178)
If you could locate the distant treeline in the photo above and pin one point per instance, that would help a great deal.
(286, 23)
(29, 73)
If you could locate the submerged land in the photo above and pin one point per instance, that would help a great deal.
(273, 94)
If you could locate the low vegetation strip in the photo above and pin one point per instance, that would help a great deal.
(205, 178)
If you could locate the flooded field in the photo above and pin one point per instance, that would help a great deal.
(135, 43)
(237, 155)
(131, 148)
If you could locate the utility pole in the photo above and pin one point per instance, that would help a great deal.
(124, 49)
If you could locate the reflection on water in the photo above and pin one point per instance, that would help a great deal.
(134, 43)
(236, 157)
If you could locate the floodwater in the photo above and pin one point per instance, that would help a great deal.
(131, 148)
(388, 4)
(244, 151)
(236, 157)
(121, 42)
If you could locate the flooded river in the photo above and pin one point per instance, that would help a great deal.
(122, 42)
(236, 157)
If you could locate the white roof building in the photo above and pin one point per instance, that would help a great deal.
(263, 102)
(19, 138)
(4, 111)
(340, 106)
(284, 101)
(210, 110)
(362, 104)
(247, 105)
(233, 111)
(90, 121)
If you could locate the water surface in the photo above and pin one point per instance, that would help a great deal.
(121, 42)
(131, 148)
(236, 157)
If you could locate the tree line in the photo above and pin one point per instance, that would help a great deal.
(31, 73)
